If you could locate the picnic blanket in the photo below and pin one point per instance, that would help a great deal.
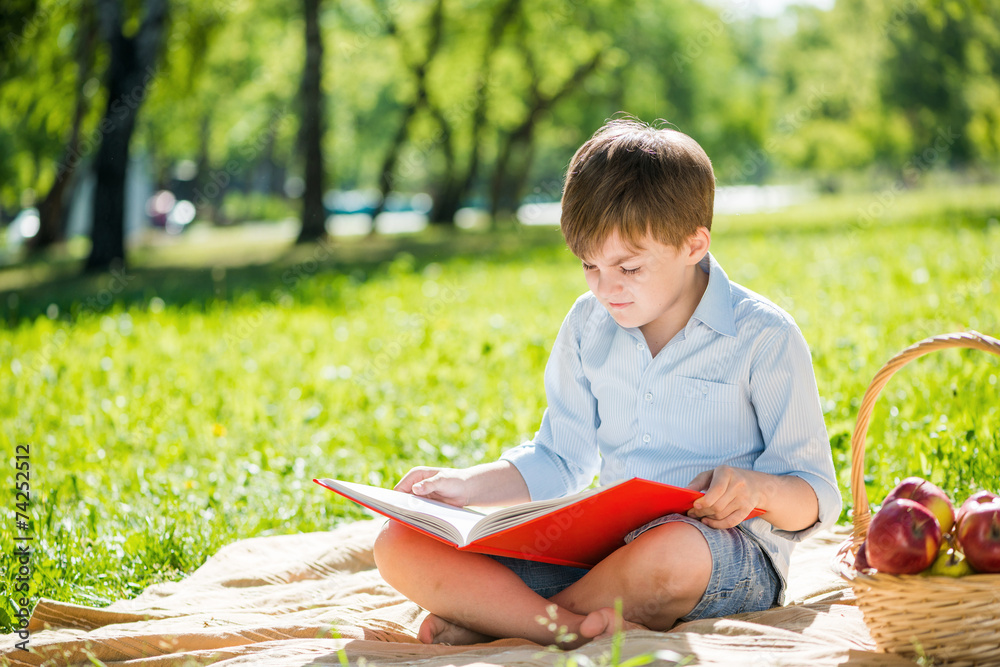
(317, 599)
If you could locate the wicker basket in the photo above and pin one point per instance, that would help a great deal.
(955, 620)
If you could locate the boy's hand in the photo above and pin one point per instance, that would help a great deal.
(447, 485)
(730, 495)
(486, 484)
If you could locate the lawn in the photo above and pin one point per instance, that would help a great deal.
(170, 411)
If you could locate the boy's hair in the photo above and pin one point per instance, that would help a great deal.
(636, 180)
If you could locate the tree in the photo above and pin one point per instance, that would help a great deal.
(130, 71)
(225, 101)
(51, 211)
(506, 191)
(42, 50)
(311, 137)
(418, 67)
(942, 73)
(455, 186)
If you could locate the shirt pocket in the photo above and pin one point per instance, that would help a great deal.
(709, 422)
(704, 390)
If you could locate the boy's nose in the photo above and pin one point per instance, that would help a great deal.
(608, 286)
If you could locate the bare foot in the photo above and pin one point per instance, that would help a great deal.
(601, 623)
(436, 630)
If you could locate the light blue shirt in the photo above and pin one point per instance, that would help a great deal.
(734, 387)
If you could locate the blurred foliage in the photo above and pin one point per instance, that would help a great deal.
(240, 207)
(900, 88)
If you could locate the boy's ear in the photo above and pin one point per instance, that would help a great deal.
(697, 245)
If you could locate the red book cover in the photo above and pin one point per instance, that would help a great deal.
(579, 530)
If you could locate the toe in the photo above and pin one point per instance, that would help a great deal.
(597, 623)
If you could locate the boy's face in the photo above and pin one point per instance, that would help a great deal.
(653, 285)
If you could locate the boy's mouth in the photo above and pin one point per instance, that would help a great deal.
(619, 306)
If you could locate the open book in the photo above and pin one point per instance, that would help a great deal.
(578, 530)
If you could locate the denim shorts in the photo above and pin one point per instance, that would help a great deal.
(742, 580)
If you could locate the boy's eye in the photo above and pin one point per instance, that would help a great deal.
(629, 272)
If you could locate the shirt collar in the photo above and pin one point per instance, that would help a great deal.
(716, 306)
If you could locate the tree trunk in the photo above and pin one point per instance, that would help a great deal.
(499, 185)
(52, 210)
(130, 71)
(524, 133)
(455, 192)
(387, 175)
(313, 212)
(447, 198)
(519, 180)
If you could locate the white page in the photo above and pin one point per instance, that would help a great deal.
(464, 520)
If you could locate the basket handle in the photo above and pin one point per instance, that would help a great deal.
(970, 339)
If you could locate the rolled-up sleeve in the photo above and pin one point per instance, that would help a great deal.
(786, 399)
(563, 456)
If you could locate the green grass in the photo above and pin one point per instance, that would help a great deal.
(189, 407)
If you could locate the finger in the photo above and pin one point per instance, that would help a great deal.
(443, 489)
(701, 481)
(712, 511)
(414, 476)
(726, 508)
(700, 512)
(729, 520)
(715, 492)
(730, 502)
(428, 485)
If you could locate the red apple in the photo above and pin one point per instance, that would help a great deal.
(979, 535)
(930, 496)
(976, 498)
(903, 538)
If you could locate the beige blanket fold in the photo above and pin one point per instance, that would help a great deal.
(317, 599)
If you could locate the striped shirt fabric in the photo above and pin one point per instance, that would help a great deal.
(734, 387)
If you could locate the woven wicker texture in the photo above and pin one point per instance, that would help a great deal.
(956, 620)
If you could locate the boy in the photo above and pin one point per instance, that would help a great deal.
(664, 370)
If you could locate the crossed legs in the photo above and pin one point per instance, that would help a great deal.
(660, 576)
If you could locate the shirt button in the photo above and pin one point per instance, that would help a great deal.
(646, 438)
(640, 346)
(649, 397)
(704, 389)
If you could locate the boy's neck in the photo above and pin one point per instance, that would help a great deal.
(662, 330)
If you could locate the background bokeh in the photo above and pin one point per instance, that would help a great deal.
(266, 111)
